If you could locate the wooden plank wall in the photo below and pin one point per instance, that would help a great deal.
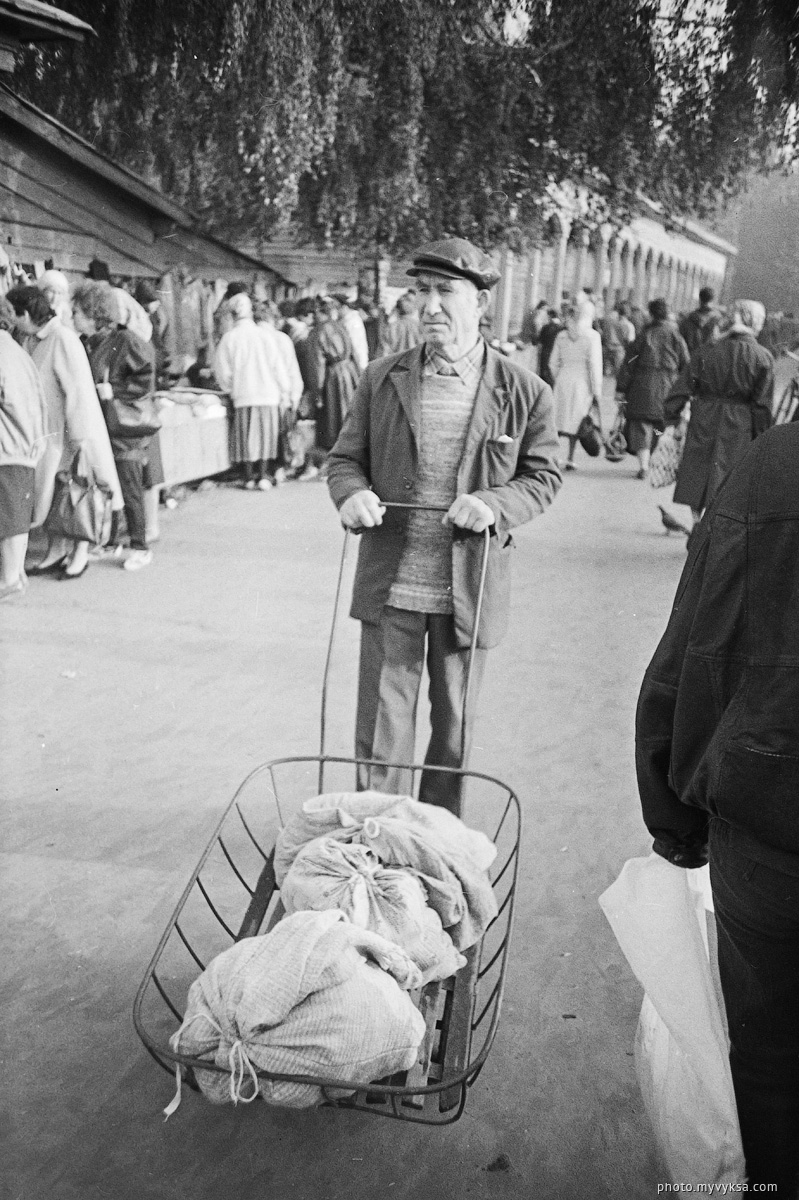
(52, 207)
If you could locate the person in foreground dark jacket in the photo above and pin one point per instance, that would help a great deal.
(717, 758)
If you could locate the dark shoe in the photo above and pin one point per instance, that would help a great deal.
(51, 568)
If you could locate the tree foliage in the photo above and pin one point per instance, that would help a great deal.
(375, 123)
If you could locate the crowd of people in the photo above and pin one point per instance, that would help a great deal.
(79, 371)
(291, 372)
(705, 369)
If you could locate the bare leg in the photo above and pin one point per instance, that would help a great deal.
(79, 559)
(57, 549)
(12, 558)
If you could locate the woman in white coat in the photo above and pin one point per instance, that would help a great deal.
(576, 366)
(75, 420)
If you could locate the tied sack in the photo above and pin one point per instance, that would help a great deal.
(451, 859)
(392, 903)
(314, 996)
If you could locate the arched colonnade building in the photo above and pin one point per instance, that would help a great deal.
(637, 263)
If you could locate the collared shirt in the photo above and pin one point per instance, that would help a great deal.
(468, 367)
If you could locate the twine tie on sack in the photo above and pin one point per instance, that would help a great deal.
(238, 1062)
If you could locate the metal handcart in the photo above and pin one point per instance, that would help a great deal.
(232, 894)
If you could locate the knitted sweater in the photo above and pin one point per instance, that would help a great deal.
(424, 578)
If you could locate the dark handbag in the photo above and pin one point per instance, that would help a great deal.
(81, 507)
(589, 435)
(131, 419)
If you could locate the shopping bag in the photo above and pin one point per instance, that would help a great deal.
(589, 432)
(657, 912)
(666, 456)
(81, 507)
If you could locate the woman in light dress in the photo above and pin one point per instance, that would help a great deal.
(576, 366)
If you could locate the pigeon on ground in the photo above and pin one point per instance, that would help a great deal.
(671, 523)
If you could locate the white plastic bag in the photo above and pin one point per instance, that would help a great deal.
(657, 912)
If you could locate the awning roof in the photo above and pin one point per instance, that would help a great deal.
(32, 21)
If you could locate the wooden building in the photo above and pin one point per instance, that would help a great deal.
(65, 204)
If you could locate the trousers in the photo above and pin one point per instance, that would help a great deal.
(131, 482)
(757, 918)
(393, 655)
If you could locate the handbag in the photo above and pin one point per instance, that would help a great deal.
(589, 435)
(132, 419)
(81, 507)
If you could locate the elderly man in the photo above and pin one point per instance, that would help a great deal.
(730, 385)
(453, 425)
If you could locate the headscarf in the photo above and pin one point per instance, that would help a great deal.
(749, 314)
(132, 315)
(240, 306)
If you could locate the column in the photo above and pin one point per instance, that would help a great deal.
(560, 264)
(504, 296)
(639, 285)
(582, 258)
(628, 263)
(671, 290)
(535, 277)
(615, 282)
(601, 263)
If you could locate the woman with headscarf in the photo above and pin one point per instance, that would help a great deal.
(576, 368)
(730, 387)
(651, 365)
(74, 417)
(23, 428)
(248, 366)
(336, 373)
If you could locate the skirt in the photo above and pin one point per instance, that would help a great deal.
(255, 436)
(17, 491)
(639, 435)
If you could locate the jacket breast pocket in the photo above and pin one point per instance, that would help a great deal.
(501, 458)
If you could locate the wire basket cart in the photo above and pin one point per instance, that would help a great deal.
(232, 894)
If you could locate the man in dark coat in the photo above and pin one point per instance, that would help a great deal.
(730, 386)
(701, 326)
(717, 757)
(455, 425)
(651, 365)
(546, 344)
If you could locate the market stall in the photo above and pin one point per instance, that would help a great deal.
(193, 438)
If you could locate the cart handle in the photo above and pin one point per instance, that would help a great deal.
(486, 535)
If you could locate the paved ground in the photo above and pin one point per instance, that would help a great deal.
(134, 704)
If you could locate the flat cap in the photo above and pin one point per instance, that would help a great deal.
(455, 258)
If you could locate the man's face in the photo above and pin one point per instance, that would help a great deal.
(450, 312)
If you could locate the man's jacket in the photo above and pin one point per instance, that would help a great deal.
(717, 730)
(509, 461)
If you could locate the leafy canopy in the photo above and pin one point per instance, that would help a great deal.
(376, 123)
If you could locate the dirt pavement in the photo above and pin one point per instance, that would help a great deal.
(132, 707)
